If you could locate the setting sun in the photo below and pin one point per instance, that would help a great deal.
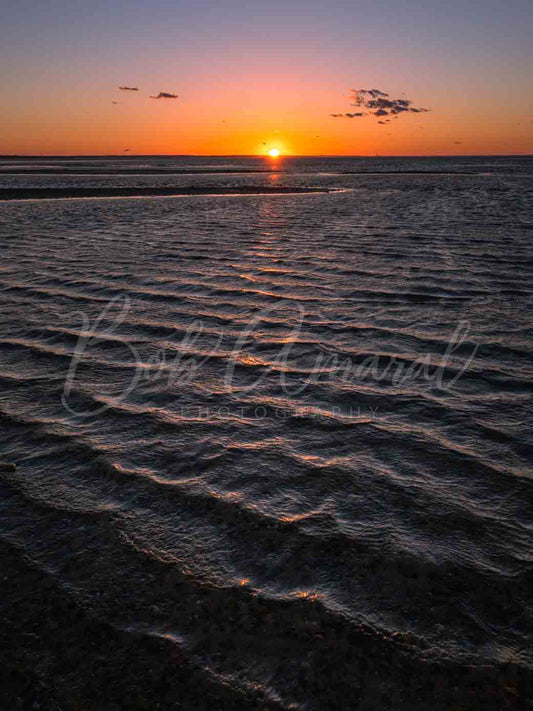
(273, 152)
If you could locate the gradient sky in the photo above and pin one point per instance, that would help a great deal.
(255, 73)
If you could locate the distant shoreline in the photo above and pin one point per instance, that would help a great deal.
(57, 193)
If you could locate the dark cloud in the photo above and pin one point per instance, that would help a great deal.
(379, 103)
(114, 102)
(128, 88)
(356, 115)
(165, 95)
(458, 143)
(360, 94)
(383, 103)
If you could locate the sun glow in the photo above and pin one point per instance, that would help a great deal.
(273, 152)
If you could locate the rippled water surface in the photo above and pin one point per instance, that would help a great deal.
(317, 400)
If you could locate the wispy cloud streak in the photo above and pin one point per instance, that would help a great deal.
(165, 95)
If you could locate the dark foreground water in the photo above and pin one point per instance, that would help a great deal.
(268, 451)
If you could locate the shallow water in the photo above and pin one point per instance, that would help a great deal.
(322, 398)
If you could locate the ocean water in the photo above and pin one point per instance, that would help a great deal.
(315, 403)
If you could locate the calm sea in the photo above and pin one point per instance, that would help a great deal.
(237, 423)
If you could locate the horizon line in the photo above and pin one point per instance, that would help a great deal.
(11, 156)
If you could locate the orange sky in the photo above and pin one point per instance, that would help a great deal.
(248, 82)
